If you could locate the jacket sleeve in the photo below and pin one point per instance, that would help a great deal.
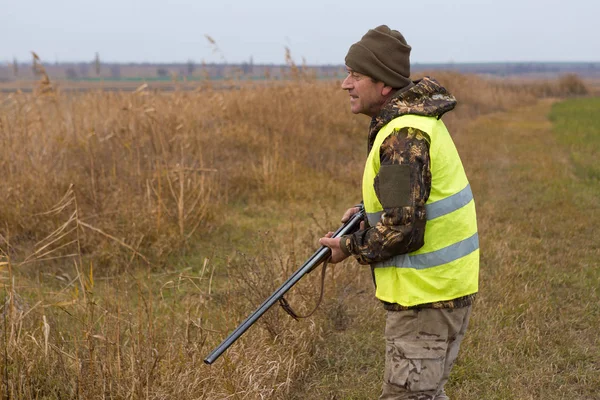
(402, 186)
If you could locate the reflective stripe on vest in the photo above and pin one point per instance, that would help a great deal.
(437, 208)
(447, 265)
(439, 257)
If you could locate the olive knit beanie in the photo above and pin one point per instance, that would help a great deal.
(382, 54)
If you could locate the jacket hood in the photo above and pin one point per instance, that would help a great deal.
(425, 97)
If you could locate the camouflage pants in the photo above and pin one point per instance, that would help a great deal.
(421, 347)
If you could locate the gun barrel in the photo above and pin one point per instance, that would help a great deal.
(317, 258)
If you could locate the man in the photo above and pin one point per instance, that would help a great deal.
(421, 235)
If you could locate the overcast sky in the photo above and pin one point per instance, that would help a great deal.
(320, 31)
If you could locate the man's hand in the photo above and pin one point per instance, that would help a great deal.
(349, 213)
(337, 254)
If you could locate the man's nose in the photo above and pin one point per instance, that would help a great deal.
(346, 83)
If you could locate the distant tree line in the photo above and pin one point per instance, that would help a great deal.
(97, 69)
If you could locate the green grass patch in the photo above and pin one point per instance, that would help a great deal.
(577, 126)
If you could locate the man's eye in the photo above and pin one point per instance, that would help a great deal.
(353, 75)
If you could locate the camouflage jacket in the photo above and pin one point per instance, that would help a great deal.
(401, 228)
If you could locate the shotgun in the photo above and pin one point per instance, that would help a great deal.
(313, 261)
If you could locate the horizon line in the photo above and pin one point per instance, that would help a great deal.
(416, 63)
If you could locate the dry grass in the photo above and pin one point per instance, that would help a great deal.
(139, 228)
(566, 85)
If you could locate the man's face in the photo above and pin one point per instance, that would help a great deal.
(366, 96)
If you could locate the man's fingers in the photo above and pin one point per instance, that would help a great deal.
(337, 254)
(349, 212)
(362, 225)
(347, 215)
(325, 241)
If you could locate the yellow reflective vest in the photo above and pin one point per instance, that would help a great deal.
(447, 266)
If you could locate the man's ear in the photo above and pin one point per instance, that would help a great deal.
(386, 90)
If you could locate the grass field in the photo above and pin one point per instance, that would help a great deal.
(143, 227)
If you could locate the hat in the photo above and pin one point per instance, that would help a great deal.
(382, 54)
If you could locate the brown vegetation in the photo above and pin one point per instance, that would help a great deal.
(139, 228)
(566, 85)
